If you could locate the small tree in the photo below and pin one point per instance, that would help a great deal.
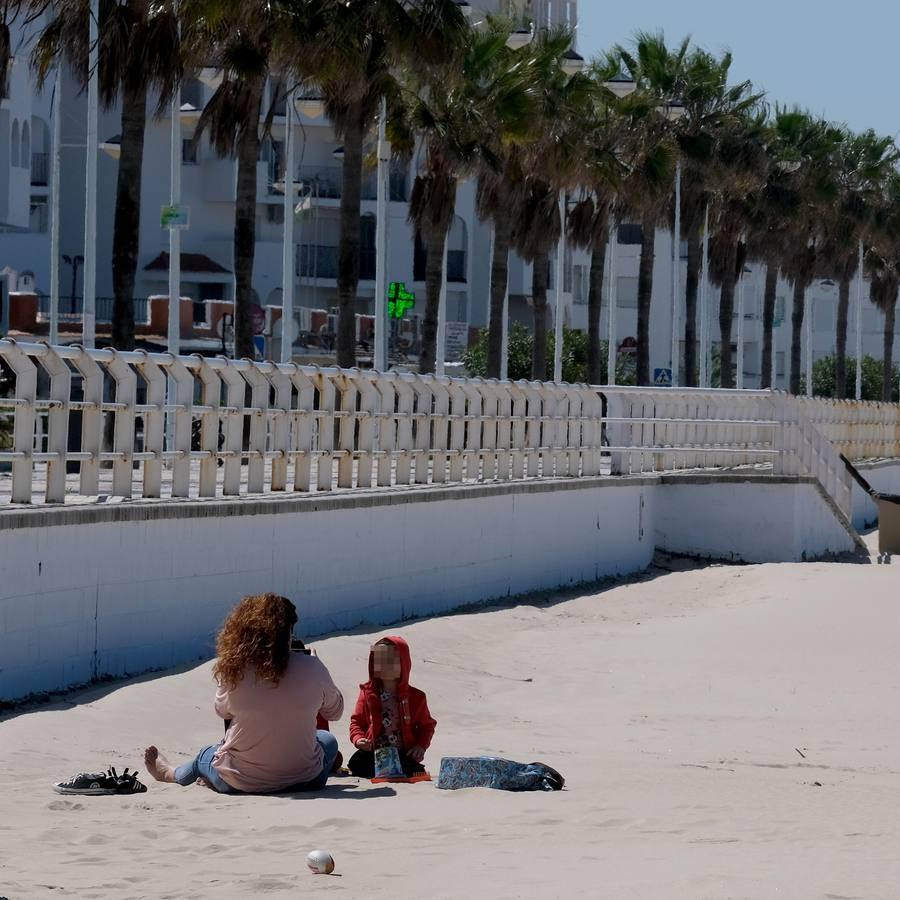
(521, 347)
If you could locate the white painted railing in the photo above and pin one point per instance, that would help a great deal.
(239, 426)
(100, 422)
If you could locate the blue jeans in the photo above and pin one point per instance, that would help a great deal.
(201, 767)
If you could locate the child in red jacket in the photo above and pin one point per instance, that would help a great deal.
(389, 712)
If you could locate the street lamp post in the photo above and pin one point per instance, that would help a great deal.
(74, 262)
(809, 338)
(287, 249)
(704, 305)
(859, 281)
(54, 208)
(676, 271)
(89, 310)
(557, 310)
(611, 338)
(174, 321)
(380, 358)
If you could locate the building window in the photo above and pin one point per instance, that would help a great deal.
(25, 158)
(580, 287)
(189, 152)
(192, 92)
(626, 293)
(40, 215)
(630, 233)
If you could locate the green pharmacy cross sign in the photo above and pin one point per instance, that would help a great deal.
(399, 300)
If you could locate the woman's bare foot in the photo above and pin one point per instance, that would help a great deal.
(158, 766)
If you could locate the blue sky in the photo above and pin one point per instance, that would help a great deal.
(838, 60)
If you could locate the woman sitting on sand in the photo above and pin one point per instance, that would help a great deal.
(272, 697)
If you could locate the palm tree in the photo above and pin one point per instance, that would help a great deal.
(883, 261)
(712, 111)
(501, 185)
(364, 41)
(459, 115)
(606, 148)
(884, 285)
(658, 75)
(550, 170)
(864, 162)
(139, 54)
(742, 163)
(248, 43)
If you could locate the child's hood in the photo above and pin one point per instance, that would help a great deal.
(405, 659)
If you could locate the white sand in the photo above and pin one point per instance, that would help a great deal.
(673, 706)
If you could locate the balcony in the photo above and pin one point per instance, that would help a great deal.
(71, 309)
(320, 261)
(40, 169)
(327, 182)
(456, 264)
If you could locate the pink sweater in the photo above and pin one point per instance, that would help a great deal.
(271, 743)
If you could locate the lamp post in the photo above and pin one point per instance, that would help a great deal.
(704, 305)
(54, 208)
(673, 111)
(676, 273)
(859, 281)
(612, 344)
(380, 357)
(174, 322)
(74, 262)
(740, 330)
(809, 335)
(89, 311)
(287, 249)
(557, 308)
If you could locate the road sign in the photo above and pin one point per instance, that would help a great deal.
(662, 377)
(173, 217)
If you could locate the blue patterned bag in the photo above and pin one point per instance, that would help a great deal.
(500, 774)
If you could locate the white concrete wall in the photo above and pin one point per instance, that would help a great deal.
(748, 521)
(87, 592)
(89, 599)
(884, 477)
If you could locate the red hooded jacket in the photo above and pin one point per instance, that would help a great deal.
(417, 726)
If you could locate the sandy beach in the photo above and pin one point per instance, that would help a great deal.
(726, 732)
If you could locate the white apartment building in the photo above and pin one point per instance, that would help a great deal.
(208, 189)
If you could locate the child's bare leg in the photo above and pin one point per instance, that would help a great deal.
(158, 766)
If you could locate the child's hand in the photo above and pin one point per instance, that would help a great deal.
(364, 744)
(416, 754)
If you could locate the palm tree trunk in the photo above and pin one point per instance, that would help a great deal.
(645, 296)
(540, 271)
(692, 284)
(435, 240)
(840, 349)
(769, 298)
(127, 223)
(887, 375)
(245, 227)
(348, 239)
(499, 284)
(726, 315)
(596, 375)
(797, 311)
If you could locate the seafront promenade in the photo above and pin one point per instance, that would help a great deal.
(144, 494)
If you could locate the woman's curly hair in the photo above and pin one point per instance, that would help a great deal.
(256, 635)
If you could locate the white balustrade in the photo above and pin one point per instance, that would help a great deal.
(238, 427)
